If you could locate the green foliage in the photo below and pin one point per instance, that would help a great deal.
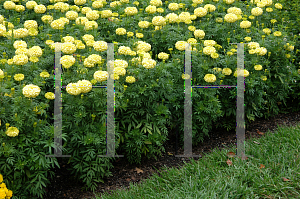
(147, 106)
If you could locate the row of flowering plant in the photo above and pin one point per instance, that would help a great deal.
(149, 48)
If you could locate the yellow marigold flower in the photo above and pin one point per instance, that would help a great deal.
(229, 53)
(144, 24)
(230, 18)
(130, 79)
(173, 6)
(19, 77)
(209, 50)
(227, 71)
(185, 76)
(217, 69)
(267, 31)
(130, 34)
(210, 78)
(246, 73)
(85, 85)
(273, 20)
(258, 67)
(247, 38)
(50, 95)
(210, 7)
(199, 34)
(277, 34)
(120, 31)
(73, 89)
(200, 12)
(192, 28)
(245, 24)
(12, 132)
(139, 35)
(214, 55)
(264, 78)
(278, 6)
(163, 56)
(44, 74)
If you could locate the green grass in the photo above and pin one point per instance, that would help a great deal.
(211, 177)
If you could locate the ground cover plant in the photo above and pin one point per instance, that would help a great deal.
(150, 39)
(272, 172)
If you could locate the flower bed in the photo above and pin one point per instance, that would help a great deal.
(150, 39)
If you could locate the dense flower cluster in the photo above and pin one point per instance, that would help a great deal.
(156, 3)
(20, 44)
(92, 15)
(21, 33)
(256, 11)
(85, 86)
(173, 6)
(9, 5)
(209, 50)
(4, 192)
(258, 67)
(12, 131)
(130, 79)
(210, 7)
(97, 4)
(209, 43)
(180, 45)
(20, 59)
(35, 51)
(210, 78)
(121, 31)
(130, 11)
(163, 56)
(50, 95)
(67, 61)
(159, 21)
(40, 9)
(172, 18)
(234, 10)
(148, 63)
(144, 24)
(73, 89)
(19, 77)
(150, 9)
(123, 50)
(30, 24)
(245, 24)
(57, 24)
(90, 25)
(244, 73)
(200, 12)
(230, 18)
(31, 91)
(143, 46)
(227, 71)
(199, 34)
(100, 76)
(68, 48)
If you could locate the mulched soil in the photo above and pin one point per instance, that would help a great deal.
(63, 186)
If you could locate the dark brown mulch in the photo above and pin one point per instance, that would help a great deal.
(64, 187)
